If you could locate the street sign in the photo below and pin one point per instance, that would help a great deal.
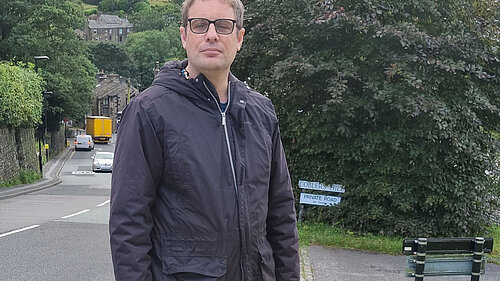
(319, 200)
(46, 146)
(321, 187)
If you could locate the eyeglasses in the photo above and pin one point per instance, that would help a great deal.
(201, 25)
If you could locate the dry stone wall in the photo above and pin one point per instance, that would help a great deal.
(9, 166)
(19, 150)
(57, 142)
(26, 148)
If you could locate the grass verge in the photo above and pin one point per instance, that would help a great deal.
(24, 177)
(326, 235)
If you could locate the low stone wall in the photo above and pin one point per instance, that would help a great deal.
(57, 142)
(9, 166)
(19, 150)
(26, 148)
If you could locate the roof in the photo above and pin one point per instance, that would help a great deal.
(112, 86)
(108, 21)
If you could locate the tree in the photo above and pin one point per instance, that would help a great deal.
(46, 27)
(111, 57)
(20, 96)
(148, 47)
(155, 17)
(395, 100)
(119, 5)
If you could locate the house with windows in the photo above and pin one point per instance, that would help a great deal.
(107, 28)
(111, 95)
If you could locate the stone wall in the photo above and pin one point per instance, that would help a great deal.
(57, 142)
(19, 150)
(26, 148)
(9, 166)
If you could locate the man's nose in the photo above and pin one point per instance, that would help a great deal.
(212, 33)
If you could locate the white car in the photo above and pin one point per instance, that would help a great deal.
(84, 142)
(102, 161)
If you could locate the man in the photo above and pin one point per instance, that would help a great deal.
(200, 188)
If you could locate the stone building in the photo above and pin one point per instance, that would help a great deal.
(110, 95)
(107, 28)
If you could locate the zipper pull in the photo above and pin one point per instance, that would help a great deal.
(223, 118)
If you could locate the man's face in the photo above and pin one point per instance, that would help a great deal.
(211, 52)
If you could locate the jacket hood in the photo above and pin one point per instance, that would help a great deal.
(171, 76)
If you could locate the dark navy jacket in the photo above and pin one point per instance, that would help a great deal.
(199, 195)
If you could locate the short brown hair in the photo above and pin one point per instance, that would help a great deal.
(238, 9)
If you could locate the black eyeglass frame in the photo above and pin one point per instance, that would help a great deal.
(209, 23)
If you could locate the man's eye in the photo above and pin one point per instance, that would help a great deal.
(223, 27)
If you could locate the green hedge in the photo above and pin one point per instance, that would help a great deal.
(20, 96)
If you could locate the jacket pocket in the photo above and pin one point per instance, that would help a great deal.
(267, 265)
(185, 268)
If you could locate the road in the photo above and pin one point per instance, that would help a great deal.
(61, 233)
(66, 232)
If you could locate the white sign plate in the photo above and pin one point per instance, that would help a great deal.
(319, 186)
(320, 200)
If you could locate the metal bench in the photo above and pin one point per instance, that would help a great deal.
(446, 256)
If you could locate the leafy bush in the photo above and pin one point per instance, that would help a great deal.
(20, 96)
(394, 100)
(92, 2)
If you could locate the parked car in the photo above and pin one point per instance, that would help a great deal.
(84, 142)
(102, 161)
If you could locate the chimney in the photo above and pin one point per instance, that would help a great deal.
(100, 76)
(114, 77)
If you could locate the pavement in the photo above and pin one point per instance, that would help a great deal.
(317, 263)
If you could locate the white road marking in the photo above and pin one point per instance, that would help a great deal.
(82, 172)
(19, 230)
(103, 203)
(75, 214)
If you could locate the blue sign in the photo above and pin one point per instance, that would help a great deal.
(319, 200)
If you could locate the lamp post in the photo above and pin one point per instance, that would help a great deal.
(37, 58)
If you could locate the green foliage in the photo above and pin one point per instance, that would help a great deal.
(92, 2)
(90, 11)
(46, 27)
(156, 38)
(24, 177)
(111, 57)
(155, 17)
(20, 96)
(392, 99)
(150, 46)
(332, 236)
(119, 5)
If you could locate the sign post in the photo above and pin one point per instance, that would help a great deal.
(318, 199)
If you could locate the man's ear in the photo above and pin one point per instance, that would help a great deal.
(182, 30)
(241, 33)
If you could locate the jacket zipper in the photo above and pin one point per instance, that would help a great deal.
(223, 115)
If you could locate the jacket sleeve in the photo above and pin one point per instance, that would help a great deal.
(281, 220)
(136, 172)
